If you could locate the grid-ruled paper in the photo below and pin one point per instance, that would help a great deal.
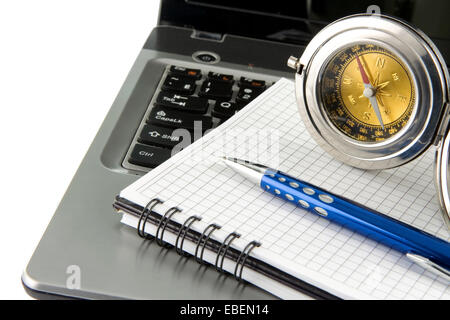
(310, 247)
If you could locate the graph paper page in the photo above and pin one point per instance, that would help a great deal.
(300, 243)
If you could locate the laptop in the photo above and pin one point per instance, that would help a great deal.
(202, 63)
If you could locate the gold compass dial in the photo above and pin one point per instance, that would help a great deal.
(367, 93)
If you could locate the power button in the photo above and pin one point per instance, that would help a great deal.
(206, 57)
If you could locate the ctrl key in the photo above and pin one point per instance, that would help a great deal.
(148, 156)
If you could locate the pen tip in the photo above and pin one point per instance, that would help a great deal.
(224, 158)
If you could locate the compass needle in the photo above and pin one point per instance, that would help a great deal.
(370, 91)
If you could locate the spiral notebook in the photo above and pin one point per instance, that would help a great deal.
(203, 209)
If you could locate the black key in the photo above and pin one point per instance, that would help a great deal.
(175, 119)
(216, 90)
(185, 72)
(220, 77)
(179, 84)
(224, 109)
(158, 136)
(180, 102)
(148, 156)
(247, 94)
(252, 83)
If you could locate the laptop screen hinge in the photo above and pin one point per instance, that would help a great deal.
(204, 35)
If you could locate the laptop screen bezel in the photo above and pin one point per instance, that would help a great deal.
(295, 29)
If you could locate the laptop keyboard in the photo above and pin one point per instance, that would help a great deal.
(191, 99)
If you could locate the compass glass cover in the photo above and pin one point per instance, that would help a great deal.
(367, 92)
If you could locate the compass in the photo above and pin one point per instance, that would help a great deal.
(373, 91)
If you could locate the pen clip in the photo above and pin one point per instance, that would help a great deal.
(429, 265)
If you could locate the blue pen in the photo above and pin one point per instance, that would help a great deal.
(420, 247)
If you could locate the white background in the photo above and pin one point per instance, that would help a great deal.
(62, 62)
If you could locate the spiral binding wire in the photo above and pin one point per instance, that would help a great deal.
(201, 242)
(226, 243)
(244, 255)
(211, 228)
(184, 229)
(144, 215)
(163, 223)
